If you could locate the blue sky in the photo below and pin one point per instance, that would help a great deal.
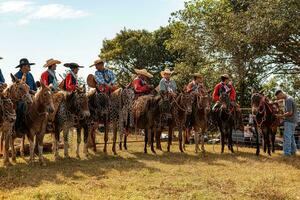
(71, 30)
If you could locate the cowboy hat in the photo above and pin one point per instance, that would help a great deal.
(96, 62)
(72, 65)
(91, 82)
(143, 72)
(51, 62)
(226, 76)
(166, 71)
(1, 58)
(24, 61)
(198, 75)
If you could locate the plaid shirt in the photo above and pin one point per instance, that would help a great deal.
(105, 77)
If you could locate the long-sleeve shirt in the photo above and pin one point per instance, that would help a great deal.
(29, 80)
(140, 86)
(219, 86)
(167, 85)
(105, 77)
(2, 80)
(71, 82)
(48, 77)
(196, 87)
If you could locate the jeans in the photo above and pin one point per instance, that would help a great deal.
(289, 144)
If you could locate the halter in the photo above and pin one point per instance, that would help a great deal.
(262, 103)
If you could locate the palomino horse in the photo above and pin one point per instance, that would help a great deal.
(265, 121)
(181, 107)
(199, 118)
(73, 108)
(35, 121)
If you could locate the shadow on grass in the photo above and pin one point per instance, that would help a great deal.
(59, 172)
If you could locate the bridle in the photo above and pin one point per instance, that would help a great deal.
(263, 112)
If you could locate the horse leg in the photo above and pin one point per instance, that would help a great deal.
(184, 138)
(30, 137)
(157, 139)
(66, 143)
(146, 140)
(257, 142)
(196, 139)
(265, 135)
(39, 141)
(269, 135)
(202, 141)
(78, 142)
(152, 140)
(121, 134)
(230, 142)
(22, 149)
(55, 144)
(105, 136)
(222, 140)
(180, 139)
(170, 137)
(6, 136)
(125, 140)
(115, 131)
(273, 140)
(85, 140)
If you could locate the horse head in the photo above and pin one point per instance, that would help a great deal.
(185, 102)
(165, 104)
(44, 97)
(81, 102)
(19, 90)
(258, 103)
(225, 100)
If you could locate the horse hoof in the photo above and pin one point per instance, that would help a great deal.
(7, 163)
(14, 159)
(125, 148)
(78, 157)
(115, 153)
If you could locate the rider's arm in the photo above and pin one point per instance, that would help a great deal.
(162, 86)
(44, 78)
(232, 94)
(99, 78)
(139, 88)
(216, 93)
(113, 77)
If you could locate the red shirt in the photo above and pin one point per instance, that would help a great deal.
(140, 87)
(216, 93)
(44, 78)
(71, 83)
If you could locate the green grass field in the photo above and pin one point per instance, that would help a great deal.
(134, 175)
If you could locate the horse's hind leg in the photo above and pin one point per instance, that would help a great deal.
(78, 142)
(196, 138)
(257, 142)
(85, 139)
(22, 149)
(170, 137)
(273, 140)
(105, 136)
(230, 142)
(202, 141)
(115, 131)
(66, 143)
(146, 140)
(180, 139)
(13, 150)
(125, 140)
(269, 138)
(157, 139)
(6, 137)
(40, 142)
(30, 137)
(222, 141)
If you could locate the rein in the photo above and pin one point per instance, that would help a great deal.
(176, 103)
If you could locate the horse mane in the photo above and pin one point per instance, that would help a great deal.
(91, 93)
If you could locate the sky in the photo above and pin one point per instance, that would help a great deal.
(71, 30)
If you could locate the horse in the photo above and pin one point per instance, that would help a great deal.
(265, 122)
(226, 120)
(73, 108)
(181, 107)
(35, 121)
(199, 118)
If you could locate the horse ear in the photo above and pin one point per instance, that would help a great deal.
(23, 80)
(14, 78)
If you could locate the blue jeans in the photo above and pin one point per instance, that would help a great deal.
(289, 144)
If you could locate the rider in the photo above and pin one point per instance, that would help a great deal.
(49, 77)
(166, 85)
(71, 80)
(197, 84)
(224, 86)
(140, 84)
(105, 78)
(21, 106)
(2, 80)
(25, 69)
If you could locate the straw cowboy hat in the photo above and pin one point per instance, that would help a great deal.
(96, 62)
(143, 72)
(72, 65)
(226, 76)
(51, 62)
(91, 82)
(24, 61)
(166, 71)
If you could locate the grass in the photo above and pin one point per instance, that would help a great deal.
(134, 175)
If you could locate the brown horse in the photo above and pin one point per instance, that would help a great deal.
(36, 120)
(265, 121)
(181, 107)
(17, 91)
(199, 118)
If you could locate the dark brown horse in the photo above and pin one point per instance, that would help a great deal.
(73, 108)
(265, 122)
(35, 121)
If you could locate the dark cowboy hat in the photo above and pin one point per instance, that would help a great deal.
(72, 65)
(1, 58)
(24, 61)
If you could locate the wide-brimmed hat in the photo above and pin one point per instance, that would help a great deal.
(72, 65)
(143, 72)
(51, 62)
(166, 71)
(197, 75)
(24, 61)
(1, 58)
(226, 76)
(96, 62)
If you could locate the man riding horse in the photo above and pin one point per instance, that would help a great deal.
(71, 80)
(2, 80)
(49, 77)
(197, 84)
(166, 85)
(224, 86)
(140, 84)
(105, 78)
